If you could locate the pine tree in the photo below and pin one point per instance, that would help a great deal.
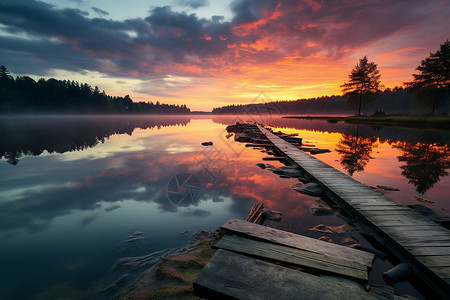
(434, 74)
(364, 81)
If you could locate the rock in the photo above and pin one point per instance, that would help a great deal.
(290, 171)
(387, 188)
(326, 239)
(419, 199)
(272, 215)
(319, 151)
(399, 273)
(207, 143)
(303, 179)
(321, 211)
(311, 189)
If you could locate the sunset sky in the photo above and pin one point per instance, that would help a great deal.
(209, 53)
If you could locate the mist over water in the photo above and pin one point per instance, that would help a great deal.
(89, 203)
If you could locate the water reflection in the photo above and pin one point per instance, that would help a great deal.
(424, 163)
(106, 186)
(355, 151)
(58, 134)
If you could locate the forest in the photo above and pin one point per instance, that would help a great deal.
(390, 101)
(398, 100)
(24, 95)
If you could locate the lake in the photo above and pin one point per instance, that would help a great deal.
(87, 203)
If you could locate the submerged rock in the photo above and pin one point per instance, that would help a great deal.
(290, 171)
(399, 273)
(321, 211)
(326, 239)
(387, 188)
(272, 215)
(419, 199)
(319, 151)
(311, 189)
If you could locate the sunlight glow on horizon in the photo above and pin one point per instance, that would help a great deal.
(208, 54)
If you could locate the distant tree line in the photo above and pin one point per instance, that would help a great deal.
(396, 100)
(25, 95)
(430, 88)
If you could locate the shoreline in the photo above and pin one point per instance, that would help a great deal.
(411, 121)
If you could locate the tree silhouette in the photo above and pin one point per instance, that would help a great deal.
(56, 96)
(425, 163)
(355, 151)
(434, 75)
(364, 81)
(5, 77)
(33, 136)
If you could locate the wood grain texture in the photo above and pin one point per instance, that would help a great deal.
(233, 276)
(314, 261)
(298, 241)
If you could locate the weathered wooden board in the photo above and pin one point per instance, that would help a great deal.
(429, 251)
(318, 262)
(298, 241)
(443, 272)
(434, 261)
(383, 208)
(428, 243)
(232, 276)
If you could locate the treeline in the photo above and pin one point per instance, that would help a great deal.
(395, 101)
(25, 95)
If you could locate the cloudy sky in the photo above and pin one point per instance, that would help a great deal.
(209, 53)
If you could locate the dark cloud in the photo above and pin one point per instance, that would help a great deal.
(100, 12)
(194, 3)
(177, 43)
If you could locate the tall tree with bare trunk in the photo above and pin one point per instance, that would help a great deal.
(364, 81)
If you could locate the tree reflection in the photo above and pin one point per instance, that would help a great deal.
(58, 134)
(355, 151)
(425, 164)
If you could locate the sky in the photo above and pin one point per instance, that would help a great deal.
(210, 53)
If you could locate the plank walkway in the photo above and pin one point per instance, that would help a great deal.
(233, 276)
(307, 260)
(413, 238)
(297, 241)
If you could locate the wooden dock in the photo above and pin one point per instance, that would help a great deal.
(414, 239)
(257, 262)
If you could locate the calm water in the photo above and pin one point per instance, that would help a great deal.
(88, 203)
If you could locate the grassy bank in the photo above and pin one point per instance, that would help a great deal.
(433, 121)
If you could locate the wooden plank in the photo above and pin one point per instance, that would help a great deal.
(315, 261)
(443, 272)
(434, 261)
(428, 243)
(383, 208)
(429, 251)
(232, 276)
(298, 241)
